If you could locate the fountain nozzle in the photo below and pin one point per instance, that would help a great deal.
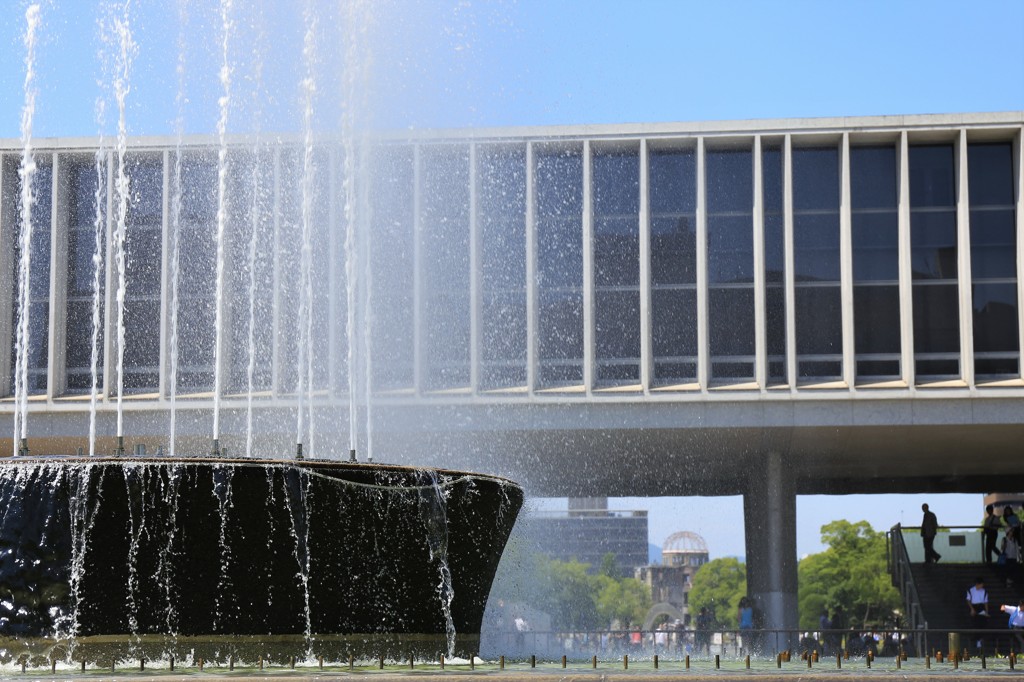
(352, 455)
(120, 447)
(298, 451)
(23, 447)
(215, 452)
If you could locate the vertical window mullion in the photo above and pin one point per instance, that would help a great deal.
(905, 266)
(1018, 185)
(6, 288)
(846, 263)
(963, 235)
(588, 268)
(646, 349)
(56, 380)
(760, 341)
(703, 359)
(163, 388)
(531, 271)
(475, 304)
(790, 278)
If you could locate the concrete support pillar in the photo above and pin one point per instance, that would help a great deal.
(769, 519)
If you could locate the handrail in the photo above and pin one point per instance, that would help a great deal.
(903, 578)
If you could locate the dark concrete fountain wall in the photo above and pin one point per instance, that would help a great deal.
(151, 550)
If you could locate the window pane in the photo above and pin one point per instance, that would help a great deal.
(775, 319)
(674, 322)
(933, 244)
(936, 319)
(731, 320)
(816, 247)
(990, 174)
(392, 262)
(816, 179)
(771, 175)
(730, 249)
(730, 181)
(995, 318)
(873, 179)
(819, 322)
(559, 183)
(774, 248)
(876, 319)
(502, 207)
(932, 176)
(561, 325)
(560, 253)
(875, 246)
(504, 327)
(617, 324)
(673, 250)
(616, 183)
(673, 181)
(993, 243)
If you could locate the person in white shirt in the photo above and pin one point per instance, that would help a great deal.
(1016, 623)
(977, 602)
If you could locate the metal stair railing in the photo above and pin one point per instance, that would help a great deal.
(903, 579)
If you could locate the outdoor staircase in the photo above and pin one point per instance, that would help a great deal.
(942, 590)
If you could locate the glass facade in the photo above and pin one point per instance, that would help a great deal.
(38, 329)
(934, 253)
(513, 265)
(874, 203)
(558, 186)
(616, 181)
(773, 201)
(85, 183)
(672, 179)
(730, 262)
(501, 188)
(993, 260)
(816, 263)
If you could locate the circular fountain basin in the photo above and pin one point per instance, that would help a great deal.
(152, 556)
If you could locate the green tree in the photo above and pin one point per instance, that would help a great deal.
(567, 592)
(851, 574)
(626, 600)
(719, 585)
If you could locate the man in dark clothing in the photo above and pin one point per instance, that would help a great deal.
(929, 528)
(991, 529)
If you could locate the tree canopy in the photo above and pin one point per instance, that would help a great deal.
(579, 600)
(719, 585)
(850, 574)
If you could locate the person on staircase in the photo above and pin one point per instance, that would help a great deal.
(1016, 623)
(977, 602)
(991, 529)
(929, 529)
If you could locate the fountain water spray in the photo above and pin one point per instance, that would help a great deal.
(255, 209)
(174, 242)
(305, 354)
(354, 80)
(99, 234)
(122, 187)
(222, 181)
(26, 171)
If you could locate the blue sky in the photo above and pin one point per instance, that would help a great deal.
(544, 62)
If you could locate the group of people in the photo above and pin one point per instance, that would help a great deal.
(1005, 553)
(978, 604)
